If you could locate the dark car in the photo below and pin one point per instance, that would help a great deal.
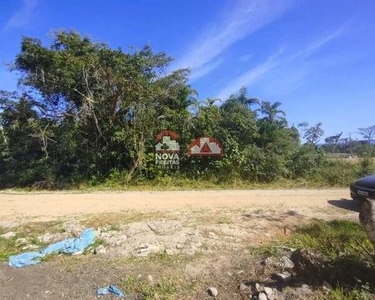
(363, 188)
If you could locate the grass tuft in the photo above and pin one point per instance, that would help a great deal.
(164, 289)
(340, 293)
(10, 246)
(333, 239)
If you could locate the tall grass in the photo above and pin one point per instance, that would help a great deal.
(333, 239)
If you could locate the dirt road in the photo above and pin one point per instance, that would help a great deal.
(45, 206)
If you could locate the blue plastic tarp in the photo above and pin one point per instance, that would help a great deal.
(110, 290)
(68, 246)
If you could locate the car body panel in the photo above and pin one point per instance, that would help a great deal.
(363, 188)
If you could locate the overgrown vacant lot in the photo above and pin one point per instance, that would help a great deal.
(176, 245)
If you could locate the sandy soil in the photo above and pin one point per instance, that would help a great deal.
(47, 206)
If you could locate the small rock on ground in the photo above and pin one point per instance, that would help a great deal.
(169, 251)
(259, 287)
(245, 288)
(8, 235)
(48, 237)
(304, 290)
(287, 263)
(213, 235)
(100, 249)
(268, 291)
(73, 228)
(262, 296)
(30, 247)
(21, 241)
(283, 277)
(212, 292)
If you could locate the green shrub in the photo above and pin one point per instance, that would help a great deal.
(366, 166)
(306, 162)
(336, 173)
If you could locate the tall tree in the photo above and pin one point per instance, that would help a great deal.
(332, 141)
(243, 98)
(314, 133)
(25, 157)
(368, 133)
(272, 112)
(110, 102)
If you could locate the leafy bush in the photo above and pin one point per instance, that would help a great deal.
(336, 173)
(366, 166)
(307, 162)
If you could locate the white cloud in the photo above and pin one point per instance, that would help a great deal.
(250, 76)
(23, 16)
(317, 44)
(245, 17)
(205, 69)
(286, 65)
(246, 57)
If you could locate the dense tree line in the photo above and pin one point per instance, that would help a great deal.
(85, 111)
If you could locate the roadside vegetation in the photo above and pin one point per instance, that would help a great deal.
(344, 257)
(336, 252)
(334, 239)
(86, 115)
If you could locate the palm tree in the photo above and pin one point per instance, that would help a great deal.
(242, 98)
(211, 102)
(272, 112)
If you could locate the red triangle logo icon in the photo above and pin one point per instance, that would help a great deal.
(206, 148)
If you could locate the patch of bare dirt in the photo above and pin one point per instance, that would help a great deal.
(196, 239)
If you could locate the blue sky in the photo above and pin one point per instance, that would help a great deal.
(314, 56)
